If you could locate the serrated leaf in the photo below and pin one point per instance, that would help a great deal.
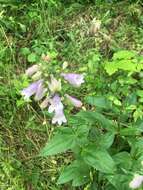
(98, 101)
(106, 140)
(66, 175)
(119, 181)
(123, 159)
(99, 159)
(94, 117)
(78, 172)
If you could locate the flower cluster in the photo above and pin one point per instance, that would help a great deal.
(40, 92)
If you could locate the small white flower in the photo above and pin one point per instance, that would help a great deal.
(59, 117)
(136, 181)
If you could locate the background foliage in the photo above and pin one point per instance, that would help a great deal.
(112, 95)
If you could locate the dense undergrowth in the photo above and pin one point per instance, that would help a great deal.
(110, 59)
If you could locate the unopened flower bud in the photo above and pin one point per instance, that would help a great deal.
(31, 70)
(46, 58)
(37, 75)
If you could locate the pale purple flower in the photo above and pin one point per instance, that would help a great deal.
(44, 104)
(59, 117)
(31, 70)
(74, 79)
(55, 84)
(56, 104)
(136, 181)
(40, 93)
(57, 107)
(30, 90)
(74, 101)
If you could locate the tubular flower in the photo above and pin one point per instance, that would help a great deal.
(40, 92)
(56, 104)
(74, 79)
(31, 89)
(136, 181)
(57, 107)
(59, 117)
(55, 85)
(75, 102)
(31, 70)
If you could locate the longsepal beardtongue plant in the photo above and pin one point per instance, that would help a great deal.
(48, 92)
(105, 141)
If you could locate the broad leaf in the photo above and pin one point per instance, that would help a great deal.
(110, 67)
(124, 54)
(94, 117)
(120, 181)
(123, 159)
(78, 172)
(61, 142)
(99, 159)
(98, 101)
(130, 131)
(106, 140)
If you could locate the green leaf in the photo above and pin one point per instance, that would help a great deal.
(106, 140)
(60, 143)
(120, 181)
(98, 101)
(99, 159)
(32, 57)
(130, 131)
(78, 172)
(110, 68)
(136, 147)
(94, 117)
(67, 175)
(126, 65)
(110, 187)
(25, 51)
(123, 159)
(124, 54)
